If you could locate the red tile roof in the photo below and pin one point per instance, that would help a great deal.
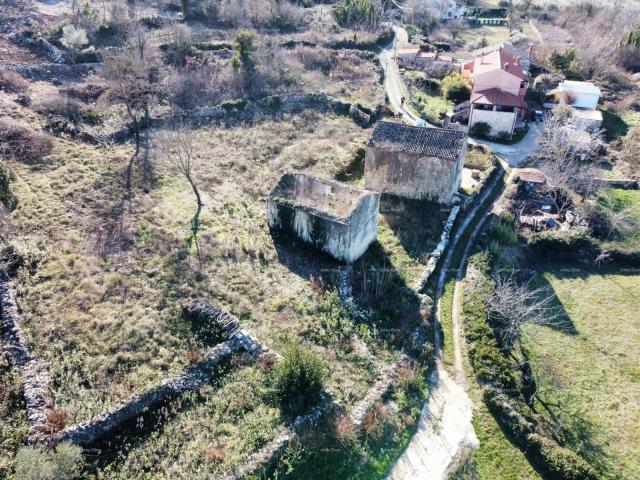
(532, 175)
(495, 96)
(499, 59)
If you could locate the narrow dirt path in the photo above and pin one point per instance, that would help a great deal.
(445, 430)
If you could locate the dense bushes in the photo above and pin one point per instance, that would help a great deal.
(21, 143)
(560, 244)
(356, 13)
(7, 197)
(297, 379)
(504, 232)
(557, 462)
(456, 89)
(63, 463)
(480, 130)
(489, 363)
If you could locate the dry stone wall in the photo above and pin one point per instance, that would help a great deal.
(34, 372)
(239, 340)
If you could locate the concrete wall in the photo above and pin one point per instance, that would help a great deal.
(497, 79)
(346, 241)
(411, 175)
(499, 121)
(584, 100)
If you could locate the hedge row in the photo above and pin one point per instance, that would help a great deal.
(497, 372)
(558, 463)
(572, 245)
(489, 363)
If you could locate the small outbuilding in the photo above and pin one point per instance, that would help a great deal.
(338, 219)
(532, 178)
(415, 162)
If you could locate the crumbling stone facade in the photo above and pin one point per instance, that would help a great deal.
(334, 217)
(415, 162)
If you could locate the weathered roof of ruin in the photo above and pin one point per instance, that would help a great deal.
(434, 142)
(319, 196)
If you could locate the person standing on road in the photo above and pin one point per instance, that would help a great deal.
(401, 102)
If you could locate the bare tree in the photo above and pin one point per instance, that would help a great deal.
(514, 304)
(564, 153)
(133, 82)
(178, 144)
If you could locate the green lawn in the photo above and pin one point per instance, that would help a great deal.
(493, 33)
(631, 118)
(430, 105)
(496, 457)
(616, 200)
(590, 381)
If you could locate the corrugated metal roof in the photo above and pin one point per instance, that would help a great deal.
(434, 142)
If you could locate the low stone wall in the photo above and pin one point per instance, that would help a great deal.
(34, 373)
(90, 432)
(442, 245)
(345, 292)
(280, 104)
(39, 45)
(264, 459)
(386, 379)
(54, 72)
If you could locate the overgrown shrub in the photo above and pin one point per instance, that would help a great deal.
(356, 13)
(319, 59)
(63, 463)
(12, 82)
(297, 379)
(503, 232)
(456, 89)
(330, 324)
(7, 197)
(21, 143)
(489, 363)
(69, 108)
(480, 130)
(560, 244)
(559, 462)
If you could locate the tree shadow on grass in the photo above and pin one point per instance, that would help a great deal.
(562, 321)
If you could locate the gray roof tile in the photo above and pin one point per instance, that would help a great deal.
(434, 142)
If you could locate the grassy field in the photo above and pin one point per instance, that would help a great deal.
(430, 105)
(615, 201)
(590, 381)
(103, 303)
(493, 33)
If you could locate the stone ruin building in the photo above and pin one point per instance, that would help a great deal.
(415, 162)
(337, 218)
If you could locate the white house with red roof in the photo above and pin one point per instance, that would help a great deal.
(499, 87)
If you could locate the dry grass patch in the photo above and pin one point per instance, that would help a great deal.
(103, 303)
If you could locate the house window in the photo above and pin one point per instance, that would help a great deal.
(521, 84)
(501, 108)
(486, 107)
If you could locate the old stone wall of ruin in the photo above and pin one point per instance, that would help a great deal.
(411, 175)
(345, 241)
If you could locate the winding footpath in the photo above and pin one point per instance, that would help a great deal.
(445, 431)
